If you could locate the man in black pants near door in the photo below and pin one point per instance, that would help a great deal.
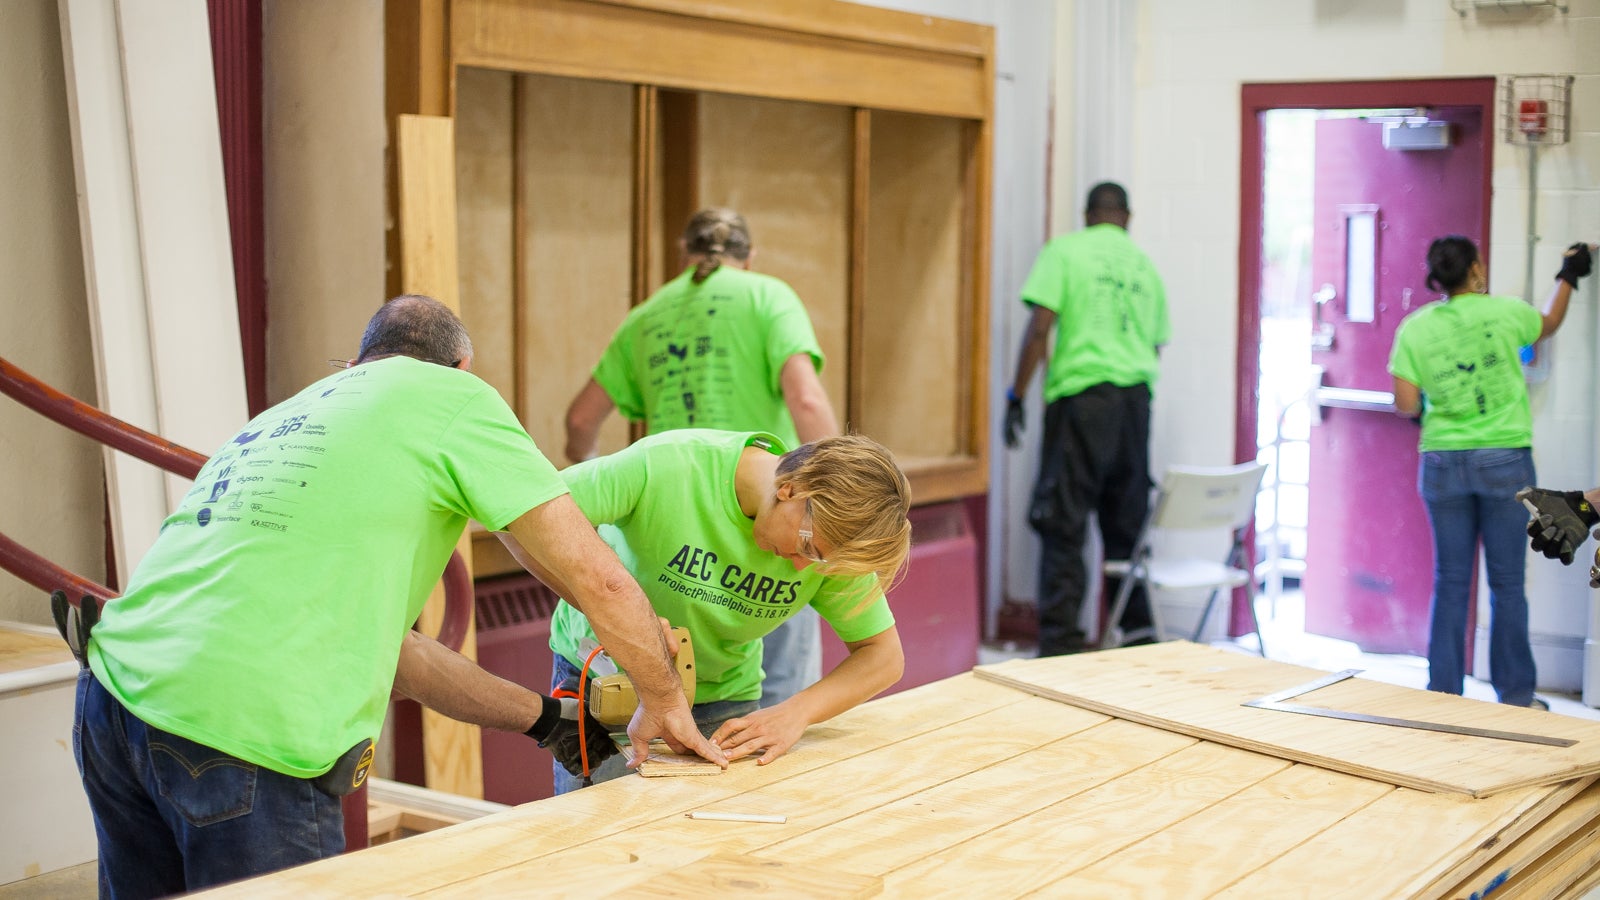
(1109, 311)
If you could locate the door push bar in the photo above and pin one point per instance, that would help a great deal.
(1323, 395)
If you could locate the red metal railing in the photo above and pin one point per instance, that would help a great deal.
(140, 444)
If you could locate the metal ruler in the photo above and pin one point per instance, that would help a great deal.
(1275, 702)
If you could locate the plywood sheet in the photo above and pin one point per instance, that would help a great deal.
(484, 182)
(182, 210)
(967, 788)
(574, 162)
(915, 364)
(452, 750)
(1199, 690)
(786, 167)
(1546, 849)
(736, 874)
(113, 267)
(21, 650)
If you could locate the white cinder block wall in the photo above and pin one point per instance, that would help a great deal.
(1189, 60)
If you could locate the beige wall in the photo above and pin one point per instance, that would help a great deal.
(51, 487)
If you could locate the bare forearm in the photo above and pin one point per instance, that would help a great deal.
(807, 400)
(1035, 346)
(1555, 308)
(449, 683)
(585, 414)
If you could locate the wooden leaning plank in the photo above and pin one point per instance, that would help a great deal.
(1200, 691)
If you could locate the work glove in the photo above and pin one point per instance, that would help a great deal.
(1561, 521)
(1594, 570)
(1575, 264)
(557, 731)
(1015, 420)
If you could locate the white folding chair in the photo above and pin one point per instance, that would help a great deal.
(1190, 498)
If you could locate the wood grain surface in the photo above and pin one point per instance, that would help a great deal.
(1200, 691)
(969, 788)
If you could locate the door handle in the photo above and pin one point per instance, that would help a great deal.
(1321, 329)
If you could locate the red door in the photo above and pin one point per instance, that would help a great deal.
(1369, 550)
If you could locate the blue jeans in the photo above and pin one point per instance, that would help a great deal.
(171, 815)
(708, 716)
(791, 657)
(1469, 496)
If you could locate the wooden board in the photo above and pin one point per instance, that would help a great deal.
(575, 203)
(113, 268)
(21, 650)
(1544, 850)
(452, 750)
(786, 167)
(739, 875)
(966, 788)
(175, 145)
(915, 361)
(1200, 690)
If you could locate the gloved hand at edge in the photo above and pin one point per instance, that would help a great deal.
(556, 730)
(1575, 264)
(1560, 523)
(1016, 420)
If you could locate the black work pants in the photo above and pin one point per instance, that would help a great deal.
(1096, 458)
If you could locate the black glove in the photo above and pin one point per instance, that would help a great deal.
(1561, 521)
(557, 731)
(1015, 420)
(1594, 570)
(1575, 264)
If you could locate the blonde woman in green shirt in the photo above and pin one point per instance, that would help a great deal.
(730, 535)
(1455, 363)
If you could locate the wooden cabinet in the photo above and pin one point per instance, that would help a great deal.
(855, 140)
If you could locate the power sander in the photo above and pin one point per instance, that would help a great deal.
(612, 699)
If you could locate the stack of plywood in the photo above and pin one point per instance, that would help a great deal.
(1132, 772)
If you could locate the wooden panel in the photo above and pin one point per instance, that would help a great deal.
(646, 193)
(913, 378)
(425, 148)
(575, 166)
(965, 788)
(678, 177)
(1199, 690)
(860, 224)
(1541, 850)
(640, 46)
(113, 268)
(425, 152)
(723, 874)
(786, 167)
(21, 650)
(182, 210)
(417, 76)
(484, 223)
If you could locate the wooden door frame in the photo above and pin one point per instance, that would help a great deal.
(1256, 99)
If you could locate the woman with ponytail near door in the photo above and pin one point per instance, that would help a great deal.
(1456, 364)
(723, 347)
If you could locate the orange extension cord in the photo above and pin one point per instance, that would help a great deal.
(581, 695)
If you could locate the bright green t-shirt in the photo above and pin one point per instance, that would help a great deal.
(709, 355)
(1110, 306)
(1464, 355)
(266, 620)
(667, 505)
